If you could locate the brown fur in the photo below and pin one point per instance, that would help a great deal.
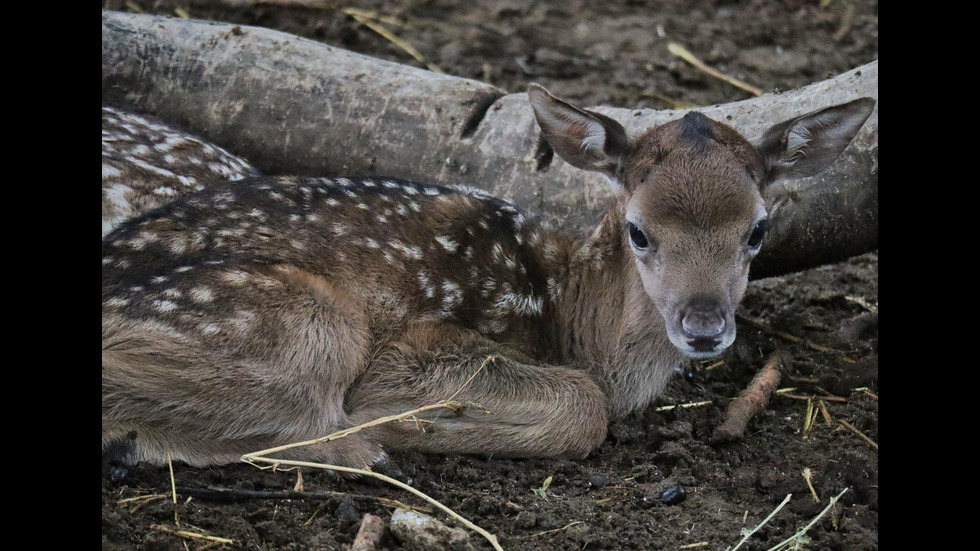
(253, 314)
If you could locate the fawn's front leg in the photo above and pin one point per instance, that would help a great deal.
(518, 408)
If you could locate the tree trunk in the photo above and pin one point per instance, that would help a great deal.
(294, 106)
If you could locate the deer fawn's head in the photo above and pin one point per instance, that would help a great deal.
(690, 200)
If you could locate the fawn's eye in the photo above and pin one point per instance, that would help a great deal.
(758, 233)
(636, 236)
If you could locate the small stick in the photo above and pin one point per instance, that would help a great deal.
(851, 428)
(763, 523)
(369, 534)
(694, 545)
(753, 399)
(686, 55)
(190, 535)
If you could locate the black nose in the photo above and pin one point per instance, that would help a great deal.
(703, 321)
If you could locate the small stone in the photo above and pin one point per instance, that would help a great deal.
(599, 480)
(421, 532)
(673, 495)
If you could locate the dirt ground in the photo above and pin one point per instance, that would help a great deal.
(615, 53)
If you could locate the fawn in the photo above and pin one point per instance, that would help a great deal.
(273, 310)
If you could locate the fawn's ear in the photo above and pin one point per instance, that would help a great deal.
(806, 145)
(586, 140)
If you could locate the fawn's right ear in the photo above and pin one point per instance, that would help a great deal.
(586, 140)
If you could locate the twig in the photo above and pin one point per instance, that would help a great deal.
(851, 428)
(753, 399)
(190, 535)
(694, 545)
(683, 53)
(763, 523)
(364, 18)
(797, 535)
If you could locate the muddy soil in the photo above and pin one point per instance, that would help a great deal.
(615, 53)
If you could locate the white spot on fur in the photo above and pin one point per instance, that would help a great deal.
(209, 328)
(521, 304)
(453, 294)
(371, 243)
(164, 305)
(447, 244)
(236, 277)
(117, 302)
(426, 285)
(202, 294)
(332, 202)
(411, 252)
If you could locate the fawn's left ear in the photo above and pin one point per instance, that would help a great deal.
(586, 140)
(806, 145)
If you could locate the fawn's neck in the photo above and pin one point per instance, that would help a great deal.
(607, 322)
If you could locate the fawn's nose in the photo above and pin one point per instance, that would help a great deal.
(704, 324)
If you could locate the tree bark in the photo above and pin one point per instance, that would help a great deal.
(294, 106)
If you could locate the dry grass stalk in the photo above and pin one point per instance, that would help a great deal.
(792, 338)
(566, 527)
(694, 545)
(686, 55)
(684, 406)
(826, 414)
(191, 535)
(851, 428)
(808, 418)
(369, 20)
(806, 476)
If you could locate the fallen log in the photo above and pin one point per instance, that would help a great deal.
(291, 105)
